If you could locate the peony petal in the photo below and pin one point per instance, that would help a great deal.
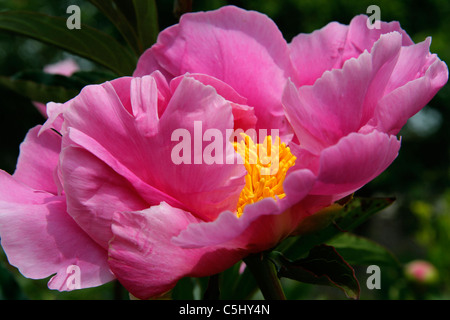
(404, 99)
(261, 226)
(209, 188)
(144, 97)
(313, 54)
(296, 116)
(41, 239)
(243, 115)
(360, 37)
(354, 161)
(330, 47)
(342, 100)
(154, 90)
(213, 184)
(94, 192)
(145, 260)
(55, 119)
(242, 48)
(222, 88)
(147, 64)
(38, 160)
(413, 62)
(75, 141)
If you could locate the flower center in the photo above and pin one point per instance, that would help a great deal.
(266, 165)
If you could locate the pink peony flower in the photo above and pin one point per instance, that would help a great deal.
(105, 194)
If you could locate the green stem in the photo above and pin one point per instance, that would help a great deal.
(266, 276)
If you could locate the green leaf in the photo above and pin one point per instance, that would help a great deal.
(358, 250)
(136, 20)
(44, 87)
(120, 21)
(127, 8)
(324, 226)
(92, 77)
(323, 266)
(147, 27)
(38, 92)
(86, 42)
(50, 79)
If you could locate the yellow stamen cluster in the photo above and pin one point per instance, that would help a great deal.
(266, 165)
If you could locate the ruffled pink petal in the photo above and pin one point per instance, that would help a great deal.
(206, 185)
(417, 77)
(147, 64)
(164, 92)
(244, 116)
(76, 143)
(354, 161)
(328, 48)
(145, 260)
(145, 161)
(155, 89)
(242, 48)
(222, 88)
(413, 62)
(306, 159)
(342, 100)
(41, 239)
(313, 54)
(360, 37)
(55, 119)
(261, 226)
(38, 160)
(296, 116)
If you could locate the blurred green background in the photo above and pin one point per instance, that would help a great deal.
(417, 226)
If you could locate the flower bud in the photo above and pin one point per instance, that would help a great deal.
(423, 272)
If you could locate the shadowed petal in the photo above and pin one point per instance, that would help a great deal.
(145, 260)
(354, 161)
(261, 226)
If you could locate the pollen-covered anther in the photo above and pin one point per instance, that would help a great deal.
(266, 165)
